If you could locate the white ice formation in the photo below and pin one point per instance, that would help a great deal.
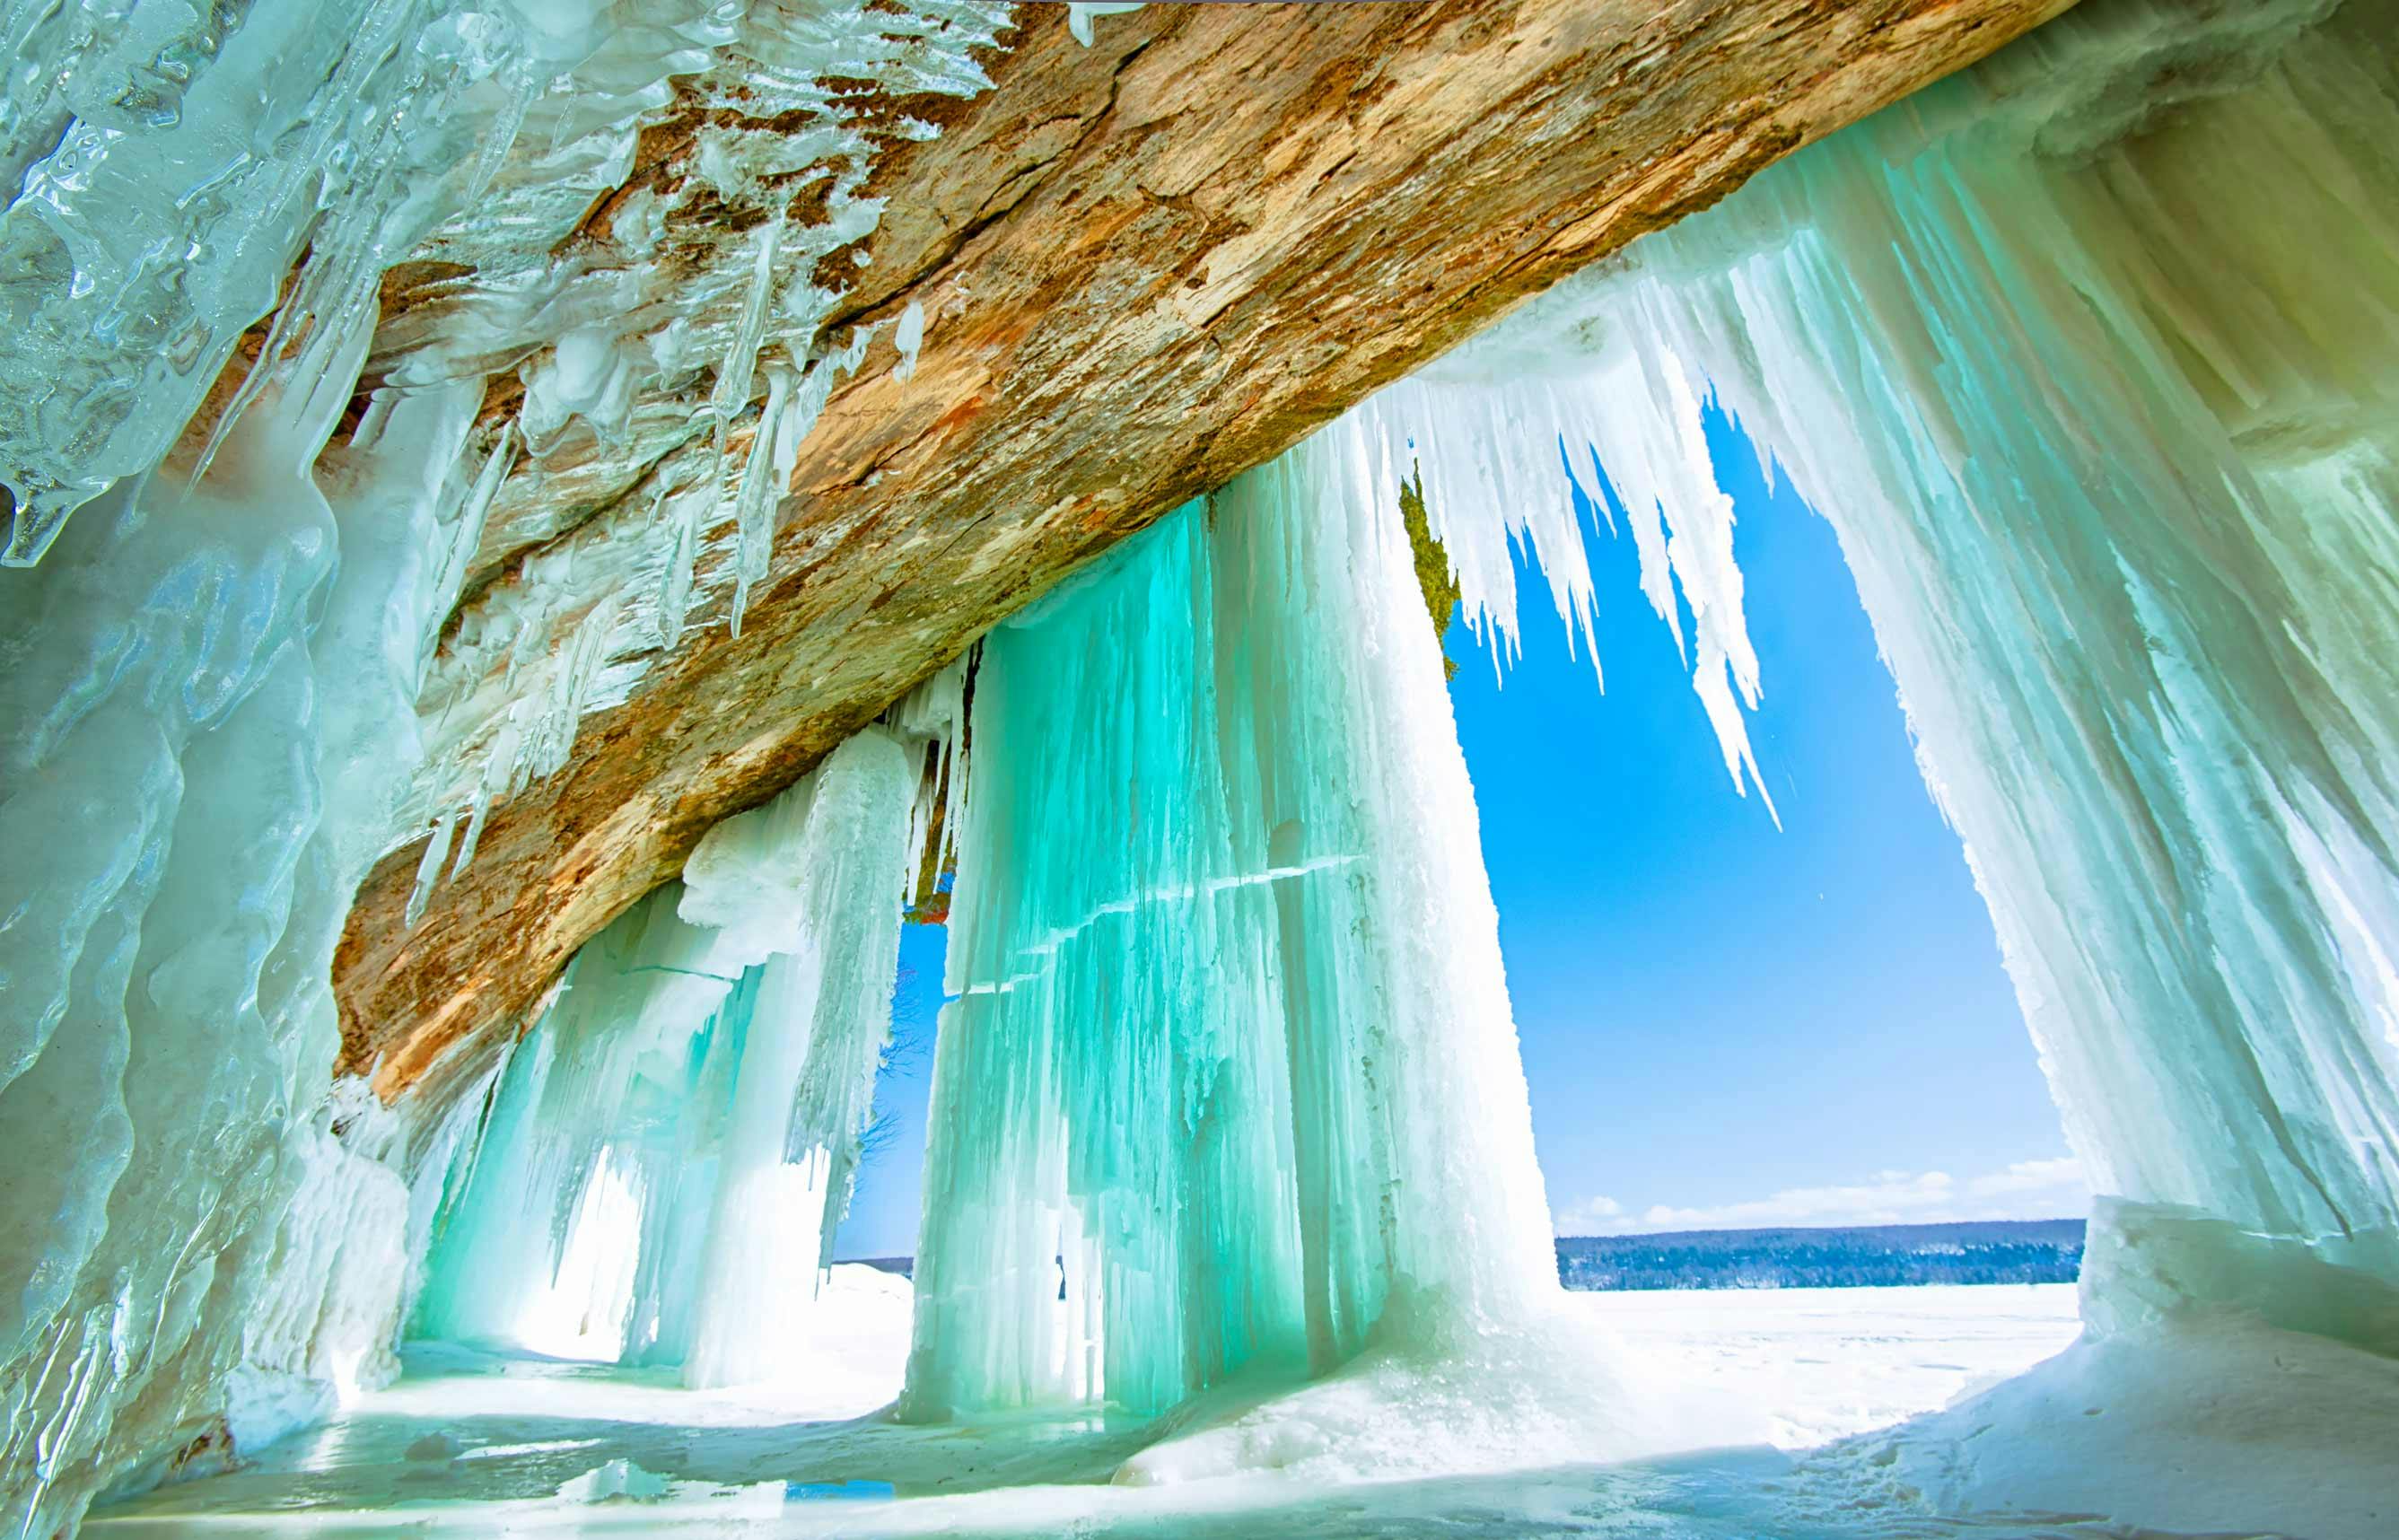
(231, 550)
(657, 1173)
(1231, 1036)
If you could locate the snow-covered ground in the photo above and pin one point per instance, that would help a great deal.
(1825, 1363)
(470, 1446)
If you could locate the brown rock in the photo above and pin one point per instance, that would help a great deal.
(1145, 267)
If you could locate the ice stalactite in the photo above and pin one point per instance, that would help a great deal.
(653, 477)
(165, 173)
(2089, 356)
(149, 232)
(1231, 1043)
(667, 1153)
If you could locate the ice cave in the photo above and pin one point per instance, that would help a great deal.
(543, 534)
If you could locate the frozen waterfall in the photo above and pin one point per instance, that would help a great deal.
(661, 1165)
(1231, 1037)
(2090, 358)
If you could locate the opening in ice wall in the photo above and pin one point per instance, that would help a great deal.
(2088, 356)
(1230, 1040)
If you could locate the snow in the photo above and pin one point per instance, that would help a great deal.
(2214, 1426)
(1941, 1411)
(466, 1444)
(1823, 1364)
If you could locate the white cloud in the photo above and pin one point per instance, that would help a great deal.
(2028, 1189)
(1593, 1216)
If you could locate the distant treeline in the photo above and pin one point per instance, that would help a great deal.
(2037, 1250)
(2043, 1250)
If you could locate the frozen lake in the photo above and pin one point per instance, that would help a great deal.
(475, 1446)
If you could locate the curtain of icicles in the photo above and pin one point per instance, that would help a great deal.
(2092, 357)
(1230, 1077)
(207, 703)
(663, 1160)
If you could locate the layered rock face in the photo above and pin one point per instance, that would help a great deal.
(1113, 279)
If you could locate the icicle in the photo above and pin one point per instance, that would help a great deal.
(763, 481)
(808, 1076)
(467, 537)
(428, 869)
(935, 712)
(682, 551)
(477, 810)
(734, 374)
(1080, 12)
(910, 340)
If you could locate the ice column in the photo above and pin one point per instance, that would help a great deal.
(805, 1092)
(2090, 358)
(681, 1129)
(1231, 1062)
(1108, 1089)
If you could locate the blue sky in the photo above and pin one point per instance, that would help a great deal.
(1723, 1025)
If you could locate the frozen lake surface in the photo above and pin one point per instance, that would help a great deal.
(466, 1445)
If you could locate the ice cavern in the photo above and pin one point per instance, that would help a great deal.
(540, 530)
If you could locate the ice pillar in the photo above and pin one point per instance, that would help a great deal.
(2090, 358)
(1230, 1066)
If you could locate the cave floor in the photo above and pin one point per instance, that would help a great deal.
(466, 1444)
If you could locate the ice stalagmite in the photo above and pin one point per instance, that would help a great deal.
(2089, 355)
(1232, 1044)
(667, 1152)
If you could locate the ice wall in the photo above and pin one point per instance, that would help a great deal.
(662, 1163)
(2090, 357)
(216, 667)
(1230, 1080)
(207, 718)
